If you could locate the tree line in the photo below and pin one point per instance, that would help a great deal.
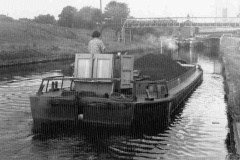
(89, 17)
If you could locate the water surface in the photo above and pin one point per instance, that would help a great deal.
(198, 130)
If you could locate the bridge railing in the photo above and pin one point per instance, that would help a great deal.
(182, 21)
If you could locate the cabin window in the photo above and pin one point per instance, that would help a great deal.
(152, 88)
(126, 71)
(127, 63)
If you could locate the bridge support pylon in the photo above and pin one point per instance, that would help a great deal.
(123, 38)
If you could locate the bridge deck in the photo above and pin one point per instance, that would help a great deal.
(182, 22)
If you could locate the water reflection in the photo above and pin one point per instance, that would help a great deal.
(189, 55)
(199, 129)
(21, 72)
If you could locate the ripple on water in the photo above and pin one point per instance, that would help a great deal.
(191, 135)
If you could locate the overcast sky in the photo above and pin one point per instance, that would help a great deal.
(139, 8)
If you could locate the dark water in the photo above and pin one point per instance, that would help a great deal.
(199, 130)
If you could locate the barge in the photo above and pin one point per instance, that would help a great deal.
(212, 42)
(106, 91)
(189, 43)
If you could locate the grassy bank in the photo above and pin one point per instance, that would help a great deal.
(231, 59)
(28, 42)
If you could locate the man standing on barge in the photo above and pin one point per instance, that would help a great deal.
(96, 45)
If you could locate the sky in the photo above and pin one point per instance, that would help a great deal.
(138, 8)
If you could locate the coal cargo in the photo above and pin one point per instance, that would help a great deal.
(159, 66)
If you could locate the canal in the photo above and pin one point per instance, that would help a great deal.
(199, 129)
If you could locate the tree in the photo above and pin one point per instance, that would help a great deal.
(45, 19)
(66, 16)
(114, 12)
(5, 18)
(87, 17)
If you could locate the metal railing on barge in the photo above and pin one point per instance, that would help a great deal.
(177, 81)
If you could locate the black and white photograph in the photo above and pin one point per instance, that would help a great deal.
(120, 80)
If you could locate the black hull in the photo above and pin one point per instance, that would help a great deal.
(134, 114)
(96, 111)
(212, 42)
(161, 113)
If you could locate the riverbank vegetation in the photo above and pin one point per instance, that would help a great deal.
(44, 37)
(231, 57)
(27, 41)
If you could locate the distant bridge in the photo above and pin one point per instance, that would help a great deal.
(201, 22)
(181, 22)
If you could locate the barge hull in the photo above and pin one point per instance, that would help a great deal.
(138, 113)
(115, 114)
(104, 112)
(49, 109)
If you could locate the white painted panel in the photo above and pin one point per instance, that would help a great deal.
(83, 65)
(103, 68)
(84, 68)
